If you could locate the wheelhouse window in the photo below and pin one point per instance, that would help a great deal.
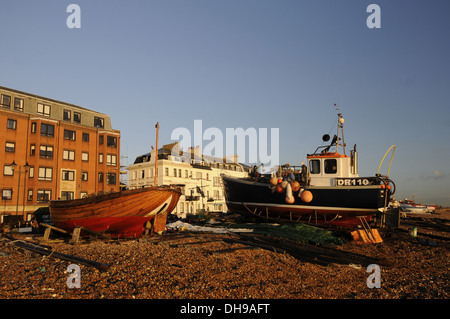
(330, 166)
(314, 166)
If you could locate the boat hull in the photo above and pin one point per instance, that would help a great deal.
(333, 206)
(122, 214)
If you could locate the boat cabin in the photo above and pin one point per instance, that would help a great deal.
(328, 168)
(325, 168)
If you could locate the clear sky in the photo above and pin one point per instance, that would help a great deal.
(251, 64)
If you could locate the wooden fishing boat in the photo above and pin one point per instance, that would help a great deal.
(327, 191)
(122, 214)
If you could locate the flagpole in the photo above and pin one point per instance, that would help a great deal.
(156, 157)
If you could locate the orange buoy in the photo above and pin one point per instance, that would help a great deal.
(274, 181)
(306, 196)
(279, 189)
(290, 200)
(295, 186)
(280, 180)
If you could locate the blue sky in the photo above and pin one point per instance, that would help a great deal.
(251, 63)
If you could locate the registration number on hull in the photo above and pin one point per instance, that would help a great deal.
(353, 182)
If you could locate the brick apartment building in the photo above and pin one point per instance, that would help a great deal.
(53, 150)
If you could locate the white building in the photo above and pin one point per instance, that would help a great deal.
(198, 176)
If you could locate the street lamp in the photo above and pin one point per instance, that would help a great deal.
(13, 168)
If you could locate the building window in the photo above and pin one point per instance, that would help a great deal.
(47, 130)
(7, 170)
(45, 173)
(111, 178)
(314, 166)
(84, 176)
(43, 196)
(111, 160)
(46, 151)
(5, 101)
(83, 194)
(69, 155)
(10, 147)
(85, 137)
(33, 127)
(85, 156)
(111, 141)
(11, 124)
(31, 172)
(68, 175)
(6, 194)
(30, 195)
(175, 172)
(18, 104)
(100, 177)
(99, 122)
(69, 135)
(100, 158)
(167, 171)
(32, 149)
(100, 139)
(67, 115)
(330, 166)
(43, 109)
(77, 117)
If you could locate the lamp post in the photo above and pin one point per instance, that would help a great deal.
(13, 168)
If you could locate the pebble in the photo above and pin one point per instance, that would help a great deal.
(203, 266)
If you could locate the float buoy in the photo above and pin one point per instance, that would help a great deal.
(289, 198)
(306, 196)
(274, 181)
(279, 189)
(295, 186)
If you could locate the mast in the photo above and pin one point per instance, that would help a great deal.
(156, 157)
(340, 130)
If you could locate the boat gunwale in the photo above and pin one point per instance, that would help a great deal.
(108, 196)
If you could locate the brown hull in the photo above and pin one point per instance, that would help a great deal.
(123, 214)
